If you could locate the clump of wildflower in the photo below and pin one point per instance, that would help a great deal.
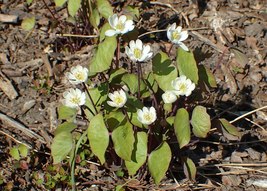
(74, 98)
(119, 25)
(183, 86)
(176, 36)
(137, 51)
(77, 75)
(147, 115)
(118, 99)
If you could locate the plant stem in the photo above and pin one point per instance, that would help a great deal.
(118, 53)
(139, 79)
(90, 97)
(169, 52)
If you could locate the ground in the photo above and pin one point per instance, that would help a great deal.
(228, 36)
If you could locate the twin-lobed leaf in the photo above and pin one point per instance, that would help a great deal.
(104, 55)
(163, 71)
(187, 65)
(98, 136)
(158, 162)
(139, 153)
(123, 140)
(200, 121)
(182, 127)
(61, 146)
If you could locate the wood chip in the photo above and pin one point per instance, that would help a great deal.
(7, 87)
(9, 18)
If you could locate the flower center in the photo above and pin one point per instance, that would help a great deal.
(175, 35)
(118, 100)
(120, 26)
(147, 117)
(75, 100)
(137, 53)
(183, 88)
(79, 76)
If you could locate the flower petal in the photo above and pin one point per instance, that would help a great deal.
(184, 35)
(139, 44)
(183, 46)
(110, 32)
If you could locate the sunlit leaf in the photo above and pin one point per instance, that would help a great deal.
(158, 162)
(23, 150)
(163, 70)
(14, 152)
(65, 112)
(123, 140)
(73, 6)
(66, 126)
(98, 136)
(187, 65)
(200, 121)
(207, 76)
(229, 127)
(104, 8)
(103, 57)
(59, 3)
(28, 23)
(139, 153)
(190, 169)
(182, 127)
(61, 146)
(94, 17)
(131, 80)
(29, 2)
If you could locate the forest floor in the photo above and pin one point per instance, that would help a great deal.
(228, 36)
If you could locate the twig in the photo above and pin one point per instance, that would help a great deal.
(246, 114)
(20, 127)
(9, 18)
(77, 35)
(17, 141)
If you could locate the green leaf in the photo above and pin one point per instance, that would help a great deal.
(66, 126)
(182, 127)
(151, 82)
(231, 129)
(29, 2)
(163, 70)
(59, 3)
(28, 23)
(190, 169)
(131, 80)
(200, 121)
(94, 17)
(116, 75)
(240, 57)
(104, 55)
(23, 150)
(73, 6)
(207, 76)
(104, 8)
(102, 35)
(133, 11)
(14, 152)
(61, 146)
(139, 153)
(114, 119)
(65, 112)
(123, 139)
(158, 161)
(98, 136)
(187, 65)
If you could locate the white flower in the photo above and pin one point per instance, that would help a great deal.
(138, 52)
(183, 86)
(118, 99)
(176, 36)
(74, 98)
(147, 115)
(169, 97)
(120, 25)
(77, 75)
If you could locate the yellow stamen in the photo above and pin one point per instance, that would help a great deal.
(137, 53)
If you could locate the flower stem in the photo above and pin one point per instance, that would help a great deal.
(90, 97)
(118, 53)
(169, 52)
(139, 70)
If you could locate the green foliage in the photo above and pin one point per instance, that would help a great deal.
(207, 76)
(139, 154)
(123, 139)
(131, 80)
(14, 152)
(98, 137)
(19, 152)
(65, 112)
(73, 6)
(60, 3)
(104, 8)
(158, 162)
(61, 146)
(164, 72)
(190, 169)
(104, 55)
(23, 150)
(187, 65)
(28, 23)
(200, 121)
(29, 2)
(182, 127)
(231, 129)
